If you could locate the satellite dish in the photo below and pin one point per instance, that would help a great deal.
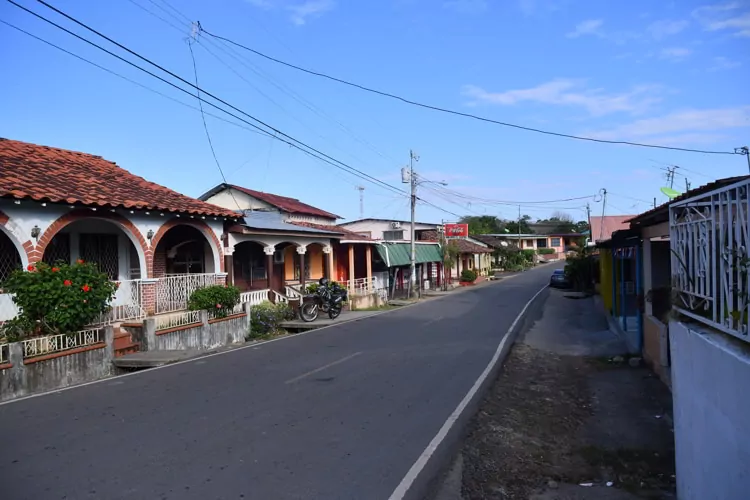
(670, 193)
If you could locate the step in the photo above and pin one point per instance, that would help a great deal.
(128, 348)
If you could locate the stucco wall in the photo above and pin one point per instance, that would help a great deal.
(376, 228)
(52, 372)
(206, 335)
(710, 377)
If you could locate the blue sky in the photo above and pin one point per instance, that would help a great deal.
(673, 73)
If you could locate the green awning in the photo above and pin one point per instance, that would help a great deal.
(398, 254)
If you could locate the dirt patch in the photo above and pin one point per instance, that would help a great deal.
(547, 426)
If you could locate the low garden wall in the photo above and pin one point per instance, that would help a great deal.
(198, 331)
(63, 362)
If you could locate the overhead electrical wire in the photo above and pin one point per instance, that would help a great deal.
(460, 113)
(321, 156)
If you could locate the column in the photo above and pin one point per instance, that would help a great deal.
(301, 252)
(269, 265)
(368, 259)
(647, 278)
(328, 262)
(351, 263)
(229, 264)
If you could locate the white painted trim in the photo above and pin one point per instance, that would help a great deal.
(411, 476)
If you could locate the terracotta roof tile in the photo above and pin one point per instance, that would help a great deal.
(290, 205)
(43, 173)
(603, 227)
(466, 246)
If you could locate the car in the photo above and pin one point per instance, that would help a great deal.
(559, 279)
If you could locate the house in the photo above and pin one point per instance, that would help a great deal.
(389, 230)
(280, 244)
(687, 261)
(547, 246)
(60, 205)
(473, 255)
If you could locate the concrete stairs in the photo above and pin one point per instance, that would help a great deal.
(124, 343)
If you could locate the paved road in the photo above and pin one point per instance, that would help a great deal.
(340, 413)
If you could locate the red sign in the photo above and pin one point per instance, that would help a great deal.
(456, 230)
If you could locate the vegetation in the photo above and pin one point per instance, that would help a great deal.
(266, 318)
(545, 251)
(516, 227)
(482, 224)
(56, 299)
(218, 300)
(580, 270)
(468, 276)
(563, 223)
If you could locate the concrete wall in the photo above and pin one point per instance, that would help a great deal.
(54, 371)
(209, 334)
(710, 375)
(655, 347)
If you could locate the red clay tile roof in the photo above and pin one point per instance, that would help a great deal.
(43, 173)
(347, 234)
(603, 227)
(466, 246)
(290, 205)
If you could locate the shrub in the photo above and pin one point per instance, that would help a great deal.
(528, 255)
(56, 299)
(468, 275)
(218, 300)
(517, 268)
(266, 317)
(546, 251)
(580, 270)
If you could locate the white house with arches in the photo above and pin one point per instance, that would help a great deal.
(59, 205)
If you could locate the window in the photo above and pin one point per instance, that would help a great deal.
(102, 250)
(393, 235)
(529, 244)
(541, 243)
(555, 242)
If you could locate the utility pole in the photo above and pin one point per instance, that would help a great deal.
(413, 258)
(361, 190)
(744, 150)
(670, 175)
(687, 185)
(604, 207)
(519, 227)
(588, 216)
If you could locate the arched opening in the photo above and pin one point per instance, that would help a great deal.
(100, 242)
(316, 262)
(10, 260)
(183, 249)
(250, 266)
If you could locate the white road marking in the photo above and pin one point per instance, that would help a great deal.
(313, 372)
(419, 465)
(432, 321)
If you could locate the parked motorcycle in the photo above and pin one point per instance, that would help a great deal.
(328, 298)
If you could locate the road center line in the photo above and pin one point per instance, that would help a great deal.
(439, 318)
(313, 372)
(411, 476)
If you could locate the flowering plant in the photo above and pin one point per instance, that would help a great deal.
(56, 299)
(218, 300)
(266, 318)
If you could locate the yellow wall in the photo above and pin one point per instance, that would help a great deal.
(289, 262)
(316, 261)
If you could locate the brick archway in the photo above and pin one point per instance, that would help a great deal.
(13, 233)
(128, 228)
(201, 226)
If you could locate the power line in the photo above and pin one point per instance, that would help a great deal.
(343, 166)
(459, 113)
(118, 75)
(205, 126)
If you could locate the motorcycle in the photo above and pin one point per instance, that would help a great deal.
(327, 299)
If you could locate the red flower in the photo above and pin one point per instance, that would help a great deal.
(79, 261)
(218, 306)
(55, 269)
(30, 267)
(67, 282)
(117, 284)
(86, 288)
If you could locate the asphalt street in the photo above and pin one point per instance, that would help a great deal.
(338, 413)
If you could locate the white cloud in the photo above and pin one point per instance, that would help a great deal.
(467, 6)
(665, 28)
(720, 17)
(588, 27)
(566, 92)
(675, 53)
(687, 126)
(310, 8)
(722, 63)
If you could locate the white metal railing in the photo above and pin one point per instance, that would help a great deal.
(173, 292)
(176, 320)
(8, 308)
(279, 298)
(361, 286)
(292, 292)
(710, 243)
(4, 354)
(127, 304)
(253, 297)
(50, 344)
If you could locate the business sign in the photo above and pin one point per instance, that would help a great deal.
(456, 230)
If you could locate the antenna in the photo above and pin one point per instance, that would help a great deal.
(361, 190)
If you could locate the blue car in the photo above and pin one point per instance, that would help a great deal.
(558, 279)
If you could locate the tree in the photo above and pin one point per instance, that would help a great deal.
(482, 224)
(511, 226)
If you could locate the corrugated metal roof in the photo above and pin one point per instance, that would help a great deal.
(274, 221)
(399, 254)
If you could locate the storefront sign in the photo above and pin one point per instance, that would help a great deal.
(456, 230)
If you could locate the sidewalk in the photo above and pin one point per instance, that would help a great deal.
(563, 420)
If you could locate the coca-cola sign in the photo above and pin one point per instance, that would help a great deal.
(456, 230)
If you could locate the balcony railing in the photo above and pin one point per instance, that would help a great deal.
(176, 320)
(126, 305)
(710, 243)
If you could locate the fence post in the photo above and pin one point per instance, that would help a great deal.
(109, 342)
(17, 371)
(248, 308)
(149, 334)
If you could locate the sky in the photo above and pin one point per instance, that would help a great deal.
(665, 73)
